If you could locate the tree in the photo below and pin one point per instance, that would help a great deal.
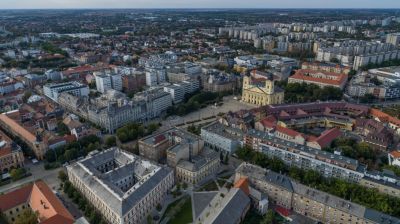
(130, 132)
(70, 154)
(152, 128)
(26, 96)
(149, 219)
(351, 74)
(82, 203)
(91, 147)
(27, 217)
(111, 141)
(269, 218)
(367, 98)
(62, 129)
(375, 81)
(17, 174)
(62, 176)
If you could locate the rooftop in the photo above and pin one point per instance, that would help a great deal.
(256, 172)
(39, 197)
(104, 172)
(305, 149)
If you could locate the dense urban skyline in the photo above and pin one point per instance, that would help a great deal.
(27, 4)
(194, 111)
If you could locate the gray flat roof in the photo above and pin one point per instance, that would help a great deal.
(103, 184)
(268, 137)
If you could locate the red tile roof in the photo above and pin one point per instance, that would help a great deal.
(287, 131)
(282, 211)
(384, 117)
(55, 203)
(159, 138)
(327, 137)
(267, 123)
(14, 198)
(17, 127)
(57, 219)
(243, 184)
(35, 195)
(301, 74)
(395, 154)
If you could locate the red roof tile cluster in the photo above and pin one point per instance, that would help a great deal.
(40, 198)
(287, 131)
(159, 138)
(282, 211)
(14, 198)
(395, 154)
(384, 117)
(308, 75)
(243, 184)
(327, 137)
(18, 128)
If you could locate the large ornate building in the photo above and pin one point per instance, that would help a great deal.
(183, 151)
(123, 187)
(259, 89)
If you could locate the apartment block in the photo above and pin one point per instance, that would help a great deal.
(53, 91)
(308, 201)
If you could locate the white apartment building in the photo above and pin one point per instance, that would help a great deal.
(155, 76)
(53, 91)
(105, 82)
(393, 38)
(157, 101)
(177, 92)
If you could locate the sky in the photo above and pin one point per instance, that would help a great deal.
(41, 4)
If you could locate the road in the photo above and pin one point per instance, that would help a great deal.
(50, 177)
(38, 172)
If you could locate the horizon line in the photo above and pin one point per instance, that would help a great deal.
(206, 8)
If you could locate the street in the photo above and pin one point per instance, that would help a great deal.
(38, 172)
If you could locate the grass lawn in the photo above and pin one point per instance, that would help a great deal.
(252, 217)
(171, 207)
(221, 182)
(184, 215)
(210, 186)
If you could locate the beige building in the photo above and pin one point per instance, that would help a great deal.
(154, 147)
(308, 201)
(37, 197)
(197, 168)
(11, 155)
(121, 186)
(183, 151)
(15, 129)
(261, 90)
(327, 67)
(382, 186)
(319, 78)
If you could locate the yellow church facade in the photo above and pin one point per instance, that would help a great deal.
(261, 91)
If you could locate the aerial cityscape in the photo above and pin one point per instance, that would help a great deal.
(180, 112)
